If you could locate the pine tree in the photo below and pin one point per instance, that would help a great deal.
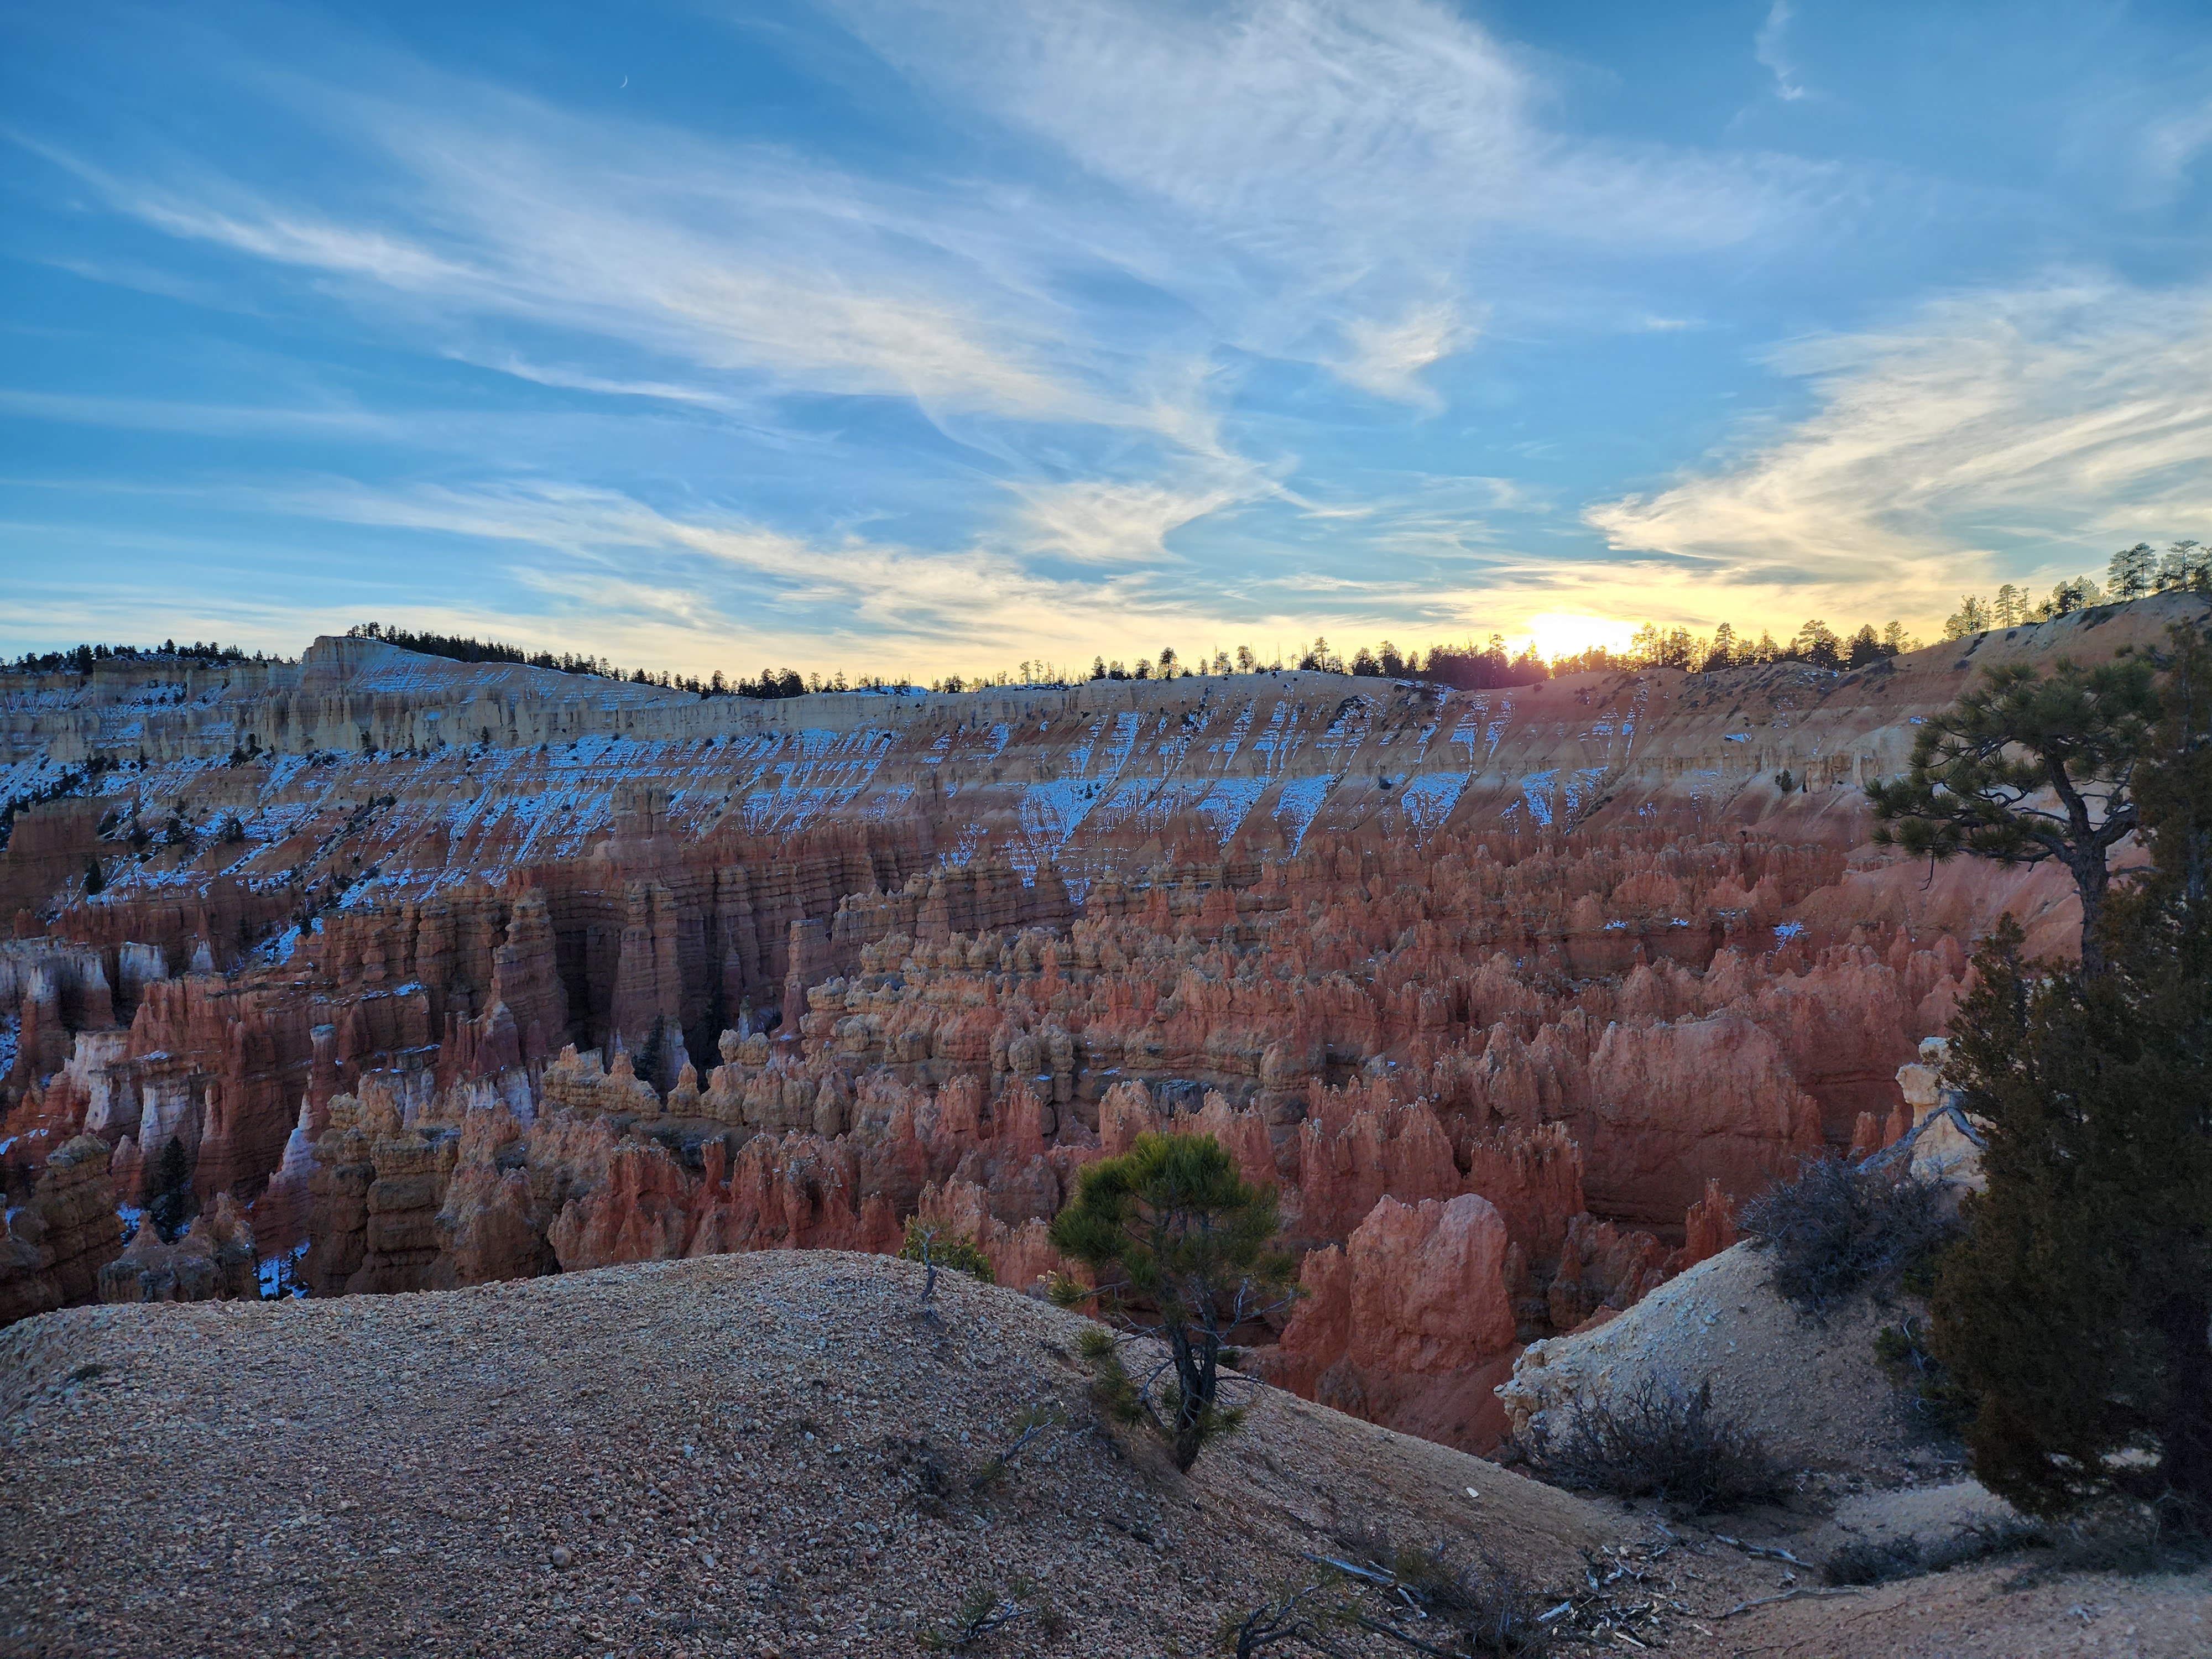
(1979, 772)
(2132, 572)
(2074, 1314)
(1193, 1245)
(1972, 617)
(169, 1206)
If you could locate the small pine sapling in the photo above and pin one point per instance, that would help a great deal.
(935, 1248)
(170, 1205)
(1194, 1243)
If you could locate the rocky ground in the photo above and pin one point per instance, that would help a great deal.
(779, 1454)
(761, 1454)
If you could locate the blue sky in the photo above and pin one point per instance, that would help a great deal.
(893, 335)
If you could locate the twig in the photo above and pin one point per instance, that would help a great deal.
(1767, 1550)
(1803, 1592)
(1397, 1635)
(1388, 1580)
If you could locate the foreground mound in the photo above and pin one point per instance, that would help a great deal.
(773, 1453)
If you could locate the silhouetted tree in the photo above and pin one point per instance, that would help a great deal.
(1972, 617)
(2132, 572)
(1980, 770)
(1816, 643)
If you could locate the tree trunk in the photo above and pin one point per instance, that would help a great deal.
(2186, 1433)
(2092, 880)
(1190, 1403)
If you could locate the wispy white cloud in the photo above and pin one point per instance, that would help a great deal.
(1991, 436)
(1094, 521)
(1769, 49)
(682, 263)
(1387, 359)
(643, 571)
(2174, 142)
(1312, 175)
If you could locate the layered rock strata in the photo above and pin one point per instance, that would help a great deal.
(456, 973)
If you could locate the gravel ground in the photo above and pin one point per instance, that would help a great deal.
(762, 1454)
(778, 1455)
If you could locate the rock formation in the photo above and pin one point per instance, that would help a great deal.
(1409, 1322)
(1515, 995)
(214, 1260)
(54, 1246)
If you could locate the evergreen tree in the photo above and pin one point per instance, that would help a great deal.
(1972, 617)
(2074, 1314)
(169, 1206)
(1980, 770)
(1193, 1245)
(1724, 653)
(1816, 643)
(2132, 572)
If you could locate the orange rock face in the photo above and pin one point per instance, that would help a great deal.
(53, 1248)
(1410, 1322)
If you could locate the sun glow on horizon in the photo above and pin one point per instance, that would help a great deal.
(1557, 634)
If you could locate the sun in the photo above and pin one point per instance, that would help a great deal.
(1565, 634)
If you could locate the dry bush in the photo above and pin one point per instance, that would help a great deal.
(1875, 1561)
(1837, 1230)
(1486, 1604)
(1487, 1608)
(935, 1248)
(1656, 1441)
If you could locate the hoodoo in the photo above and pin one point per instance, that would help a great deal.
(442, 973)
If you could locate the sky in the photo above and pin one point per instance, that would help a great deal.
(931, 336)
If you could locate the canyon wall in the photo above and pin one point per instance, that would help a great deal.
(443, 973)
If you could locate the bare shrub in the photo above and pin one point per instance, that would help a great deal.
(1030, 1433)
(1488, 1606)
(1288, 1619)
(986, 1610)
(1876, 1561)
(2131, 1540)
(935, 1248)
(925, 1469)
(1838, 1229)
(1656, 1442)
(1902, 1351)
